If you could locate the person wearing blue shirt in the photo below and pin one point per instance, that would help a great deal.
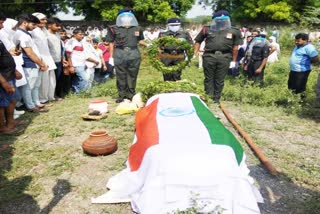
(303, 55)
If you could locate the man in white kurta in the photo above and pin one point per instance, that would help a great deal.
(48, 78)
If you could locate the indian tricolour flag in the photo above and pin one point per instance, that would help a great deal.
(181, 147)
(178, 119)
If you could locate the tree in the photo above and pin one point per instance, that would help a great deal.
(145, 10)
(267, 10)
(311, 16)
(13, 8)
(86, 9)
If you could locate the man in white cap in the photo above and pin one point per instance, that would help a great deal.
(48, 79)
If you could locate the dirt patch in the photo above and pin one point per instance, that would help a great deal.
(53, 175)
(289, 145)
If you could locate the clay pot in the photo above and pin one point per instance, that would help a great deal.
(99, 143)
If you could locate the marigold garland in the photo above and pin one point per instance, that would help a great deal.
(153, 51)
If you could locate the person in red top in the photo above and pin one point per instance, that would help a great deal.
(104, 46)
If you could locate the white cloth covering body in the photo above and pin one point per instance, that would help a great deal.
(182, 167)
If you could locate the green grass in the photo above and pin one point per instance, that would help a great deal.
(50, 148)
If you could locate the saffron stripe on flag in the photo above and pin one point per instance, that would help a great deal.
(218, 133)
(146, 132)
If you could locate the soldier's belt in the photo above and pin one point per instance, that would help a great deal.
(171, 56)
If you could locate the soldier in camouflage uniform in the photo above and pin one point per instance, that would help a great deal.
(171, 55)
(124, 38)
(221, 51)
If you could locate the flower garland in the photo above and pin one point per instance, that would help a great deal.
(153, 53)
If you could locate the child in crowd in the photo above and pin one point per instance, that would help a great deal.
(101, 69)
(104, 46)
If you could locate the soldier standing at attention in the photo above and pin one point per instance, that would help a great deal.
(171, 55)
(221, 51)
(124, 38)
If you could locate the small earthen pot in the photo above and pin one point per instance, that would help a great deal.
(99, 143)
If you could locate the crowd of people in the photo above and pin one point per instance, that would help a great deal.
(41, 61)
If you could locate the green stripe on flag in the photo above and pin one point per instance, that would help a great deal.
(218, 133)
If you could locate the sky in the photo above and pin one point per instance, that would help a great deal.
(196, 10)
(199, 10)
(68, 16)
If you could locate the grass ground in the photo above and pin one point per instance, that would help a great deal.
(44, 170)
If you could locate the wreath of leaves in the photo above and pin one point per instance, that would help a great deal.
(153, 51)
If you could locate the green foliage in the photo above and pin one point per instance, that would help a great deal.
(180, 7)
(311, 16)
(305, 12)
(286, 39)
(161, 13)
(151, 10)
(102, 90)
(168, 41)
(279, 11)
(269, 10)
(110, 13)
(273, 93)
(55, 132)
(14, 8)
(158, 87)
(87, 9)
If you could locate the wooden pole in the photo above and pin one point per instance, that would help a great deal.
(264, 160)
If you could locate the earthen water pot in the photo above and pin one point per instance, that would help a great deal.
(99, 143)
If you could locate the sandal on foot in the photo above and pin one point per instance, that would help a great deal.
(43, 110)
(41, 105)
(38, 110)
